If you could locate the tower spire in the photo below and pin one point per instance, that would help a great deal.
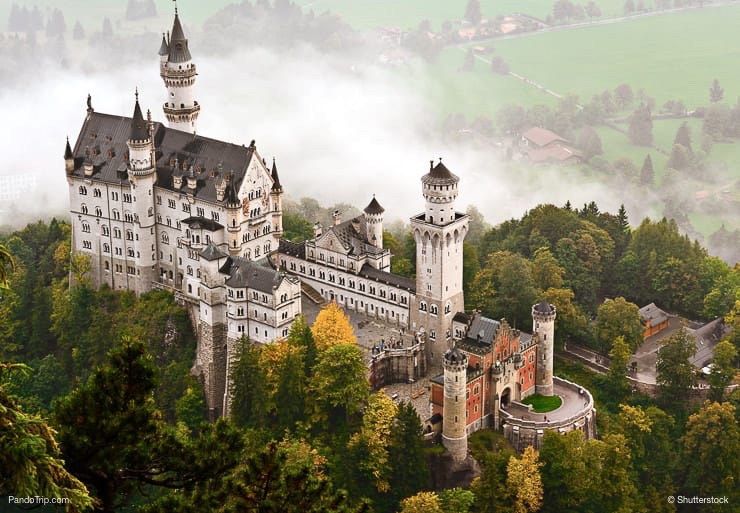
(139, 130)
(178, 73)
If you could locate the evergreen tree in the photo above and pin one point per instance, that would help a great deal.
(647, 175)
(716, 92)
(109, 426)
(472, 12)
(248, 386)
(409, 469)
(78, 32)
(640, 129)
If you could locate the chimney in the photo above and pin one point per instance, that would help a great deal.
(317, 229)
(337, 215)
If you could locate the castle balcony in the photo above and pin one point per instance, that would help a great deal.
(167, 72)
(518, 361)
(171, 110)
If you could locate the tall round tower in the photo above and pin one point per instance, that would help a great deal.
(439, 187)
(178, 72)
(374, 220)
(454, 434)
(142, 176)
(543, 320)
(276, 194)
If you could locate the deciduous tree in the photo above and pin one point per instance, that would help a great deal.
(524, 480)
(332, 327)
(675, 374)
(723, 371)
(422, 502)
(619, 318)
(711, 454)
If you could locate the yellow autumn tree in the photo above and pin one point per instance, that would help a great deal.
(525, 482)
(422, 502)
(332, 327)
(273, 358)
(375, 436)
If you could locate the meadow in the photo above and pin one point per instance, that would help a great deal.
(365, 14)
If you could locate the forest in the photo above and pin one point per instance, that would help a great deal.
(98, 404)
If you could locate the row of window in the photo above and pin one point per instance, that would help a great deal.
(128, 216)
(433, 309)
(127, 198)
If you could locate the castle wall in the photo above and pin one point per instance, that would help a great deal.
(397, 366)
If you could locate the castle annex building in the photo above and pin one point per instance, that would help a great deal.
(158, 206)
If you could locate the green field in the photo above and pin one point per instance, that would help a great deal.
(409, 13)
(672, 56)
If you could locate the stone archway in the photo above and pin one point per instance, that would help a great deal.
(506, 397)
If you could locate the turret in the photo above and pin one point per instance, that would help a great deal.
(276, 194)
(454, 432)
(374, 222)
(439, 187)
(233, 207)
(178, 73)
(543, 321)
(69, 159)
(142, 176)
(141, 150)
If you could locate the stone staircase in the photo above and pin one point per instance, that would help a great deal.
(312, 294)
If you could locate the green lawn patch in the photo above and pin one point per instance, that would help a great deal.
(543, 403)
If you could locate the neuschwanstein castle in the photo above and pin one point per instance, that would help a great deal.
(157, 206)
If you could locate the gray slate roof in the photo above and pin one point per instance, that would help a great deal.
(245, 273)
(374, 207)
(199, 223)
(212, 252)
(106, 135)
(395, 280)
(353, 236)
(439, 175)
(139, 130)
(179, 51)
(653, 314)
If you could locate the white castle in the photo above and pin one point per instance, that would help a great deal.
(157, 206)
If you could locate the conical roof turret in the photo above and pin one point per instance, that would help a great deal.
(164, 48)
(439, 175)
(139, 131)
(178, 48)
(374, 207)
(68, 155)
(275, 178)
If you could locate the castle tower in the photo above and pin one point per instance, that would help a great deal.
(374, 220)
(543, 321)
(233, 207)
(439, 233)
(178, 72)
(276, 195)
(142, 176)
(69, 158)
(454, 433)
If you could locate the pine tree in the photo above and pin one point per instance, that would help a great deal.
(641, 127)
(647, 175)
(716, 93)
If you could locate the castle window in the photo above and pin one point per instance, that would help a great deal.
(106, 231)
(447, 308)
(362, 287)
(114, 196)
(84, 209)
(97, 193)
(107, 265)
(85, 227)
(87, 244)
(433, 309)
(130, 252)
(165, 238)
(200, 211)
(116, 215)
(190, 271)
(117, 233)
(83, 190)
(475, 390)
(129, 235)
(422, 306)
(403, 300)
(432, 334)
(372, 290)
(126, 198)
(106, 248)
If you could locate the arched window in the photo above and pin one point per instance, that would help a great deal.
(106, 231)
(83, 190)
(433, 309)
(98, 212)
(423, 306)
(129, 235)
(130, 252)
(165, 238)
(447, 308)
(85, 227)
(106, 248)
(190, 271)
(83, 208)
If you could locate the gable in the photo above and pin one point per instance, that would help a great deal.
(330, 241)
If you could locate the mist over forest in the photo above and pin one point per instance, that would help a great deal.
(306, 86)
